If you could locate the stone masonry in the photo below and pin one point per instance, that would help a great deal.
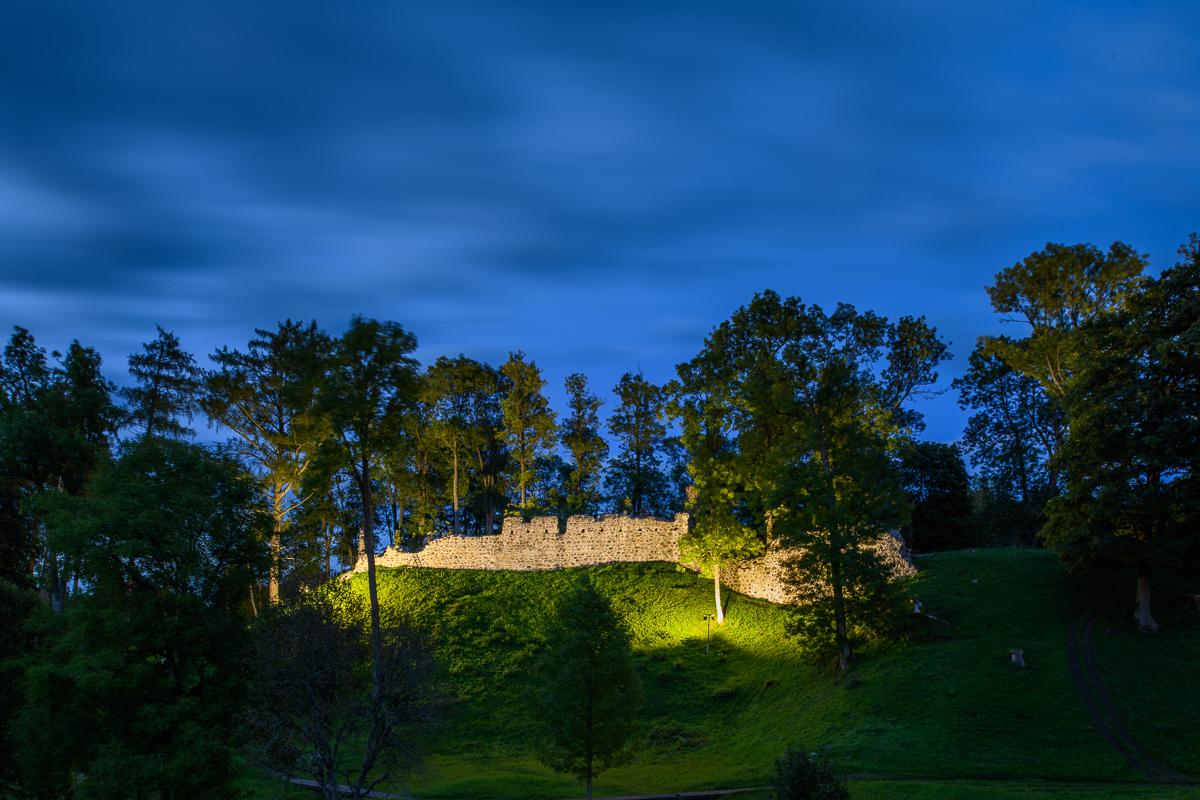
(587, 541)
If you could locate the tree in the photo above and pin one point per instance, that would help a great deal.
(311, 699)
(1011, 437)
(1132, 492)
(57, 424)
(939, 490)
(1056, 291)
(816, 410)
(587, 448)
(371, 379)
(18, 606)
(267, 395)
(458, 390)
(591, 693)
(487, 497)
(528, 420)
(168, 384)
(25, 371)
(635, 478)
(723, 530)
(136, 686)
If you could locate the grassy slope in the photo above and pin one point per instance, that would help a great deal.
(952, 708)
(1154, 680)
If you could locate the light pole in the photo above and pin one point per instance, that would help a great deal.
(708, 618)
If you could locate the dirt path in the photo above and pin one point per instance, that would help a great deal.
(1081, 661)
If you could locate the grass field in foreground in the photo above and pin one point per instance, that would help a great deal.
(943, 711)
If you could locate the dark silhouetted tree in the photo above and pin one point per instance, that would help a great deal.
(939, 489)
(635, 478)
(138, 684)
(585, 446)
(312, 711)
(167, 387)
(1014, 430)
(591, 691)
(1132, 463)
(370, 382)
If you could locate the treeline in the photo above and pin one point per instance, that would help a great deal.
(141, 573)
(317, 419)
(1085, 431)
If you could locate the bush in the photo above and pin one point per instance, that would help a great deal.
(804, 775)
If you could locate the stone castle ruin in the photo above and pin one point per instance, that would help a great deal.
(588, 541)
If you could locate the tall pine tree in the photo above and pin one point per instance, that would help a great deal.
(167, 387)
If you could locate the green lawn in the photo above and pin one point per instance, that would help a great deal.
(947, 709)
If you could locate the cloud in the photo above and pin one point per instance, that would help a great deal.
(594, 184)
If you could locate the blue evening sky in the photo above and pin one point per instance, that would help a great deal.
(598, 184)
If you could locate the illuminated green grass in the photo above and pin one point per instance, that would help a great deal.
(947, 709)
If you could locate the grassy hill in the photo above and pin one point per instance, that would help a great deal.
(931, 718)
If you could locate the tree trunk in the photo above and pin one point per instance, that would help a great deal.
(276, 543)
(328, 549)
(521, 466)
(1142, 612)
(372, 590)
(588, 784)
(717, 593)
(839, 617)
(454, 491)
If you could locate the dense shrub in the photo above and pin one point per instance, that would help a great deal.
(804, 775)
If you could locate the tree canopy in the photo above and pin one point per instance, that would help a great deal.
(592, 692)
(1132, 492)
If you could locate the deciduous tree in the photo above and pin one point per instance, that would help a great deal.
(1014, 430)
(312, 710)
(136, 688)
(939, 490)
(817, 407)
(1056, 291)
(1132, 492)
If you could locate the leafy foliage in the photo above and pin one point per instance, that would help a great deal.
(1133, 480)
(267, 396)
(805, 775)
(137, 685)
(528, 421)
(939, 489)
(57, 423)
(580, 435)
(1014, 431)
(791, 417)
(313, 710)
(1056, 291)
(167, 387)
(592, 691)
(635, 480)
(462, 395)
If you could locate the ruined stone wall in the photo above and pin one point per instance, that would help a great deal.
(537, 545)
